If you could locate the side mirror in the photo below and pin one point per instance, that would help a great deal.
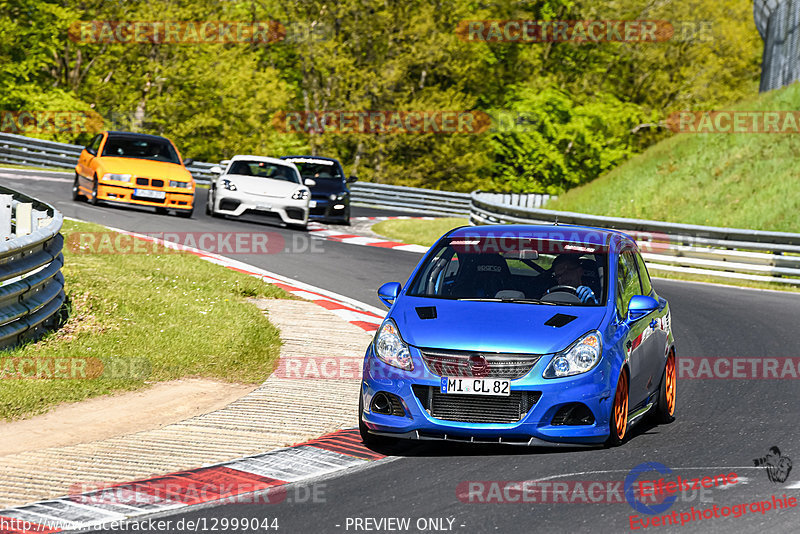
(309, 182)
(388, 293)
(352, 179)
(187, 162)
(216, 169)
(639, 306)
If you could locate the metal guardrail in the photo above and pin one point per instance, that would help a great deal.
(21, 150)
(433, 201)
(410, 198)
(31, 282)
(709, 250)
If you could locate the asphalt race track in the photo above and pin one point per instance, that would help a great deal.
(722, 425)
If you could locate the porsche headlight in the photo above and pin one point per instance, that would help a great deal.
(117, 177)
(390, 347)
(230, 186)
(580, 357)
(300, 194)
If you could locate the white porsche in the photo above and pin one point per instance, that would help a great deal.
(258, 185)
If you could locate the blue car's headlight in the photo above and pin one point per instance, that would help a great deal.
(390, 347)
(580, 357)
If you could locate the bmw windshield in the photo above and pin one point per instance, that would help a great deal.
(140, 148)
(514, 269)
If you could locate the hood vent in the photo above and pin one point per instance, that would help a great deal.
(559, 320)
(426, 312)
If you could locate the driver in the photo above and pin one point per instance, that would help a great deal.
(567, 271)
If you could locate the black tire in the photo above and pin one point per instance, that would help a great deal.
(185, 214)
(664, 411)
(77, 196)
(370, 440)
(93, 198)
(208, 207)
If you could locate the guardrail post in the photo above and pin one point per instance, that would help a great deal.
(38, 219)
(5, 216)
(22, 217)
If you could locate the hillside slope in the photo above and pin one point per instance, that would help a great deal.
(736, 180)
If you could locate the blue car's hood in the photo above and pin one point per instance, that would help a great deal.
(492, 326)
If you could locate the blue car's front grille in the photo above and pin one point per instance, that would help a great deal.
(476, 408)
(478, 364)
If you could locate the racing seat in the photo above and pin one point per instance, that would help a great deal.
(241, 168)
(483, 276)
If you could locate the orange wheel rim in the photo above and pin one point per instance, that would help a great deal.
(670, 378)
(621, 405)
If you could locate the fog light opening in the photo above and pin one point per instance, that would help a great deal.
(387, 404)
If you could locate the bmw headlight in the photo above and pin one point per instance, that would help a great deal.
(300, 194)
(390, 347)
(230, 186)
(580, 357)
(117, 177)
(184, 185)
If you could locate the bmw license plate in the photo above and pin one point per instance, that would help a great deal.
(476, 386)
(149, 193)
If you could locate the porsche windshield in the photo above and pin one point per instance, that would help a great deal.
(514, 270)
(263, 169)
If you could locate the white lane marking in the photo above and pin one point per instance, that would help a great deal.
(295, 464)
(31, 178)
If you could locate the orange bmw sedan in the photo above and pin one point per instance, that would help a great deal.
(134, 168)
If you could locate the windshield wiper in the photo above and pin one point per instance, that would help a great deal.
(515, 301)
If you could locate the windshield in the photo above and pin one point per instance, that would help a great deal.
(318, 169)
(514, 270)
(263, 169)
(141, 148)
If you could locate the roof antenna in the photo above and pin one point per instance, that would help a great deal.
(556, 223)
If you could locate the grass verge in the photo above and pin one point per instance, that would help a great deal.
(744, 180)
(149, 318)
(416, 231)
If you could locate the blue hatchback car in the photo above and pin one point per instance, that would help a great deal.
(530, 335)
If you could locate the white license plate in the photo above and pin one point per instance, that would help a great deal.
(264, 207)
(312, 203)
(149, 193)
(476, 386)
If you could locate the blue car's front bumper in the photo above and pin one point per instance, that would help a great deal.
(593, 389)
